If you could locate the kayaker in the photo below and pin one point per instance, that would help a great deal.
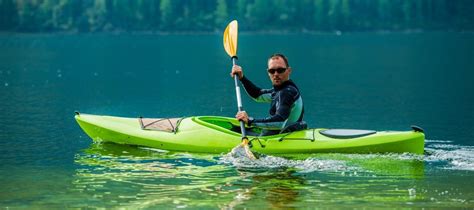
(286, 110)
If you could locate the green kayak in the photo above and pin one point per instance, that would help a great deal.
(212, 134)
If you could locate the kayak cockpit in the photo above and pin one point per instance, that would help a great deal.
(225, 124)
(231, 125)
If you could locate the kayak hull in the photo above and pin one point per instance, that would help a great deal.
(210, 134)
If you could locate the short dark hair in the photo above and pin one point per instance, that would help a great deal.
(281, 56)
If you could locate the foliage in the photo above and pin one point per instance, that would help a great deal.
(254, 15)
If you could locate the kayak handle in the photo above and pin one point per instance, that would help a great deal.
(417, 128)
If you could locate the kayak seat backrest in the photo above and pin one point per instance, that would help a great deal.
(296, 126)
(346, 133)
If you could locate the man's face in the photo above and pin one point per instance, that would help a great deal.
(276, 77)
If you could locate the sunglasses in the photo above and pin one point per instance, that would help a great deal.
(279, 70)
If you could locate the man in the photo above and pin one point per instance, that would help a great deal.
(286, 110)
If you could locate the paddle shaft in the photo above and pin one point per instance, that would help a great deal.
(239, 100)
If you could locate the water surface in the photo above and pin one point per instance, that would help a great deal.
(363, 80)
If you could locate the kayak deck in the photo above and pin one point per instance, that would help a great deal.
(212, 134)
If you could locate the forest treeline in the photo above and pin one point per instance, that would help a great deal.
(253, 15)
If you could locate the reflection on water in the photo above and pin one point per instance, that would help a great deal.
(117, 175)
(136, 177)
(111, 175)
(279, 189)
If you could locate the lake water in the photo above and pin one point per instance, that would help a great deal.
(385, 81)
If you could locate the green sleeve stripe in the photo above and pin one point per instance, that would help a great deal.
(264, 98)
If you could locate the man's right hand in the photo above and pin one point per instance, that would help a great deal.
(237, 70)
(242, 116)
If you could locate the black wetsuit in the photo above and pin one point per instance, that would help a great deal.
(286, 104)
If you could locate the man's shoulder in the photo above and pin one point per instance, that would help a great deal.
(292, 89)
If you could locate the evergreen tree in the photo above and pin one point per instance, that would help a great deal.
(321, 17)
(209, 15)
(241, 8)
(346, 14)
(166, 9)
(8, 15)
(221, 13)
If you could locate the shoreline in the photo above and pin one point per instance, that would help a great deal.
(260, 32)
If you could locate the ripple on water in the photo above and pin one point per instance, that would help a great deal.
(437, 141)
(147, 177)
(266, 162)
(450, 156)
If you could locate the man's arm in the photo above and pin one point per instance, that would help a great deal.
(258, 94)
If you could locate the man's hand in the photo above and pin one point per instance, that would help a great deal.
(242, 116)
(237, 70)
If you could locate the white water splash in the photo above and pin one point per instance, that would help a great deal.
(388, 156)
(438, 141)
(154, 149)
(441, 152)
(272, 162)
(455, 157)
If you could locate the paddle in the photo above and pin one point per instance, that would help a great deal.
(230, 46)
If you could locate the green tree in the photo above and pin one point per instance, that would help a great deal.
(221, 15)
(383, 13)
(321, 18)
(8, 15)
(346, 14)
(207, 15)
(259, 14)
(298, 14)
(96, 15)
(26, 16)
(407, 8)
(334, 14)
(241, 8)
(419, 12)
(166, 9)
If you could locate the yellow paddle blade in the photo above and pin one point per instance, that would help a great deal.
(230, 38)
(243, 150)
